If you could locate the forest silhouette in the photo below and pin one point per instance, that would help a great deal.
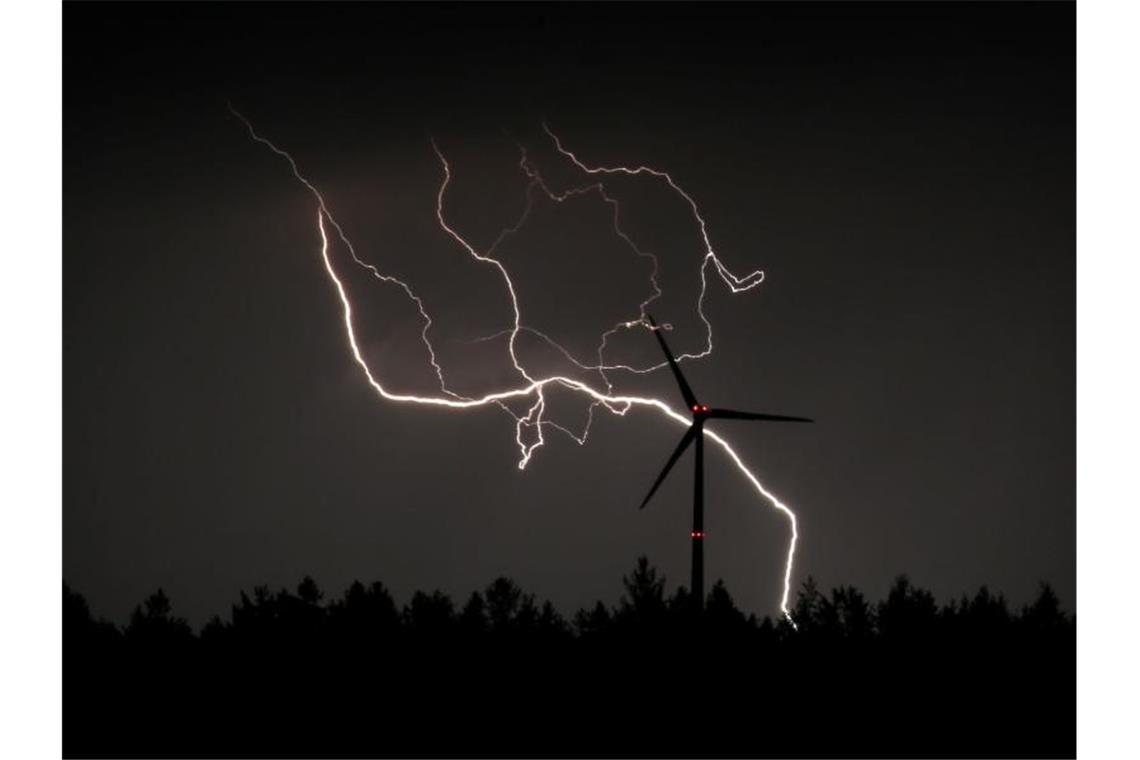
(293, 674)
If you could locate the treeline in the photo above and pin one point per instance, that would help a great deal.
(291, 673)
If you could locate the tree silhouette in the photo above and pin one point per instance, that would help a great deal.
(852, 615)
(366, 613)
(721, 613)
(473, 618)
(808, 607)
(593, 622)
(551, 625)
(309, 592)
(643, 603)
(361, 676)
(908, 612)
(152, 623)
(430, 615)
(504, 601)
(1045, 613)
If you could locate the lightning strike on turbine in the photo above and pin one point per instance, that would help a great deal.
(530, 386)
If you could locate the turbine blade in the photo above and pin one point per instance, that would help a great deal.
(729, 414)
(690, 434)
(686, 391)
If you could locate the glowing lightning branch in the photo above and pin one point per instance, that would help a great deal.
(735, 284)
(529, 386)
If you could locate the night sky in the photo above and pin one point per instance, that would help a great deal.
(903, 173)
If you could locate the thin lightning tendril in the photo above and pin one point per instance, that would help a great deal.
(530, 386)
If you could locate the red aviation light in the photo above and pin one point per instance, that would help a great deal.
(697, 534)
(697, 408)
(705, 408)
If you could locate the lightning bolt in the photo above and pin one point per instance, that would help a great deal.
(530, 386)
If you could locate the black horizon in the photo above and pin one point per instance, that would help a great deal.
(290, 675)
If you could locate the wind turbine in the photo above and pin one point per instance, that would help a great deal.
(695, 434)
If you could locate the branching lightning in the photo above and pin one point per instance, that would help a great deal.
(530, 386)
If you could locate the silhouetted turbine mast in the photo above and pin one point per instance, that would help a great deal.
(695, 435)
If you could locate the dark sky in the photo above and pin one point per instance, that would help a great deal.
(904, 174)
